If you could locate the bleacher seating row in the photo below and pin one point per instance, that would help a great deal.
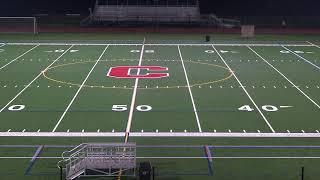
(138, 13)
(149, 2)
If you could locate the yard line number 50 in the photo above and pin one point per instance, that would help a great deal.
(122, 108)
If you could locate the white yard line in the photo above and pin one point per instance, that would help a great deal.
(18, 57)
(285, 77)
(163, 44)
(190, 92)
(133, 99)
(160, 134)
(306, 60)
(244, 89)
(81, 86)
(35, 79)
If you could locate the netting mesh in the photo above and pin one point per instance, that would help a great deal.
(18, 25)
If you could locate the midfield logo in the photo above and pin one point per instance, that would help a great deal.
(141, 72)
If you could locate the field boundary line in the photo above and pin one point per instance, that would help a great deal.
(81, 86)
(244, 89)
(163, 44)
(133, 98)
(190, 92)
(284, 77)
(160, 134)
(35, 78)
(313, 44)
(180, 157)
(306, 60)
(19, 56)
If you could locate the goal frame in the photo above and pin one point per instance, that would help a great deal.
(34, 23)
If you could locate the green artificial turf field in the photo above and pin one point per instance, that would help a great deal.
(219, 110)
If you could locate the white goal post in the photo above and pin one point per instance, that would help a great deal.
(18, 25)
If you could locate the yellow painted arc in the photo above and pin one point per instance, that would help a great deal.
(106, 87)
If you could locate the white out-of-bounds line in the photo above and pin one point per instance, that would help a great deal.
(35, 79)
(306, 60)
(160, 134)
(18, 57)
(190, 92)
(313, 44)
(161, 44)
(81, 86)
(284, 77)
(244, 89)
(134, 94)
(179, 157)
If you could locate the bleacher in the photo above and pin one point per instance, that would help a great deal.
(146, 11)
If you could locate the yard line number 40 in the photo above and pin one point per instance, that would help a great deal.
(268, 108)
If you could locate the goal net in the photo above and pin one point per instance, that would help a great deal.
(18, 25)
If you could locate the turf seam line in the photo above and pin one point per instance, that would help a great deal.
(306, 60)
(244, 89)
(75, 96)
(18, 57)
(190, 92)
(284, 77)
(35, 79)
